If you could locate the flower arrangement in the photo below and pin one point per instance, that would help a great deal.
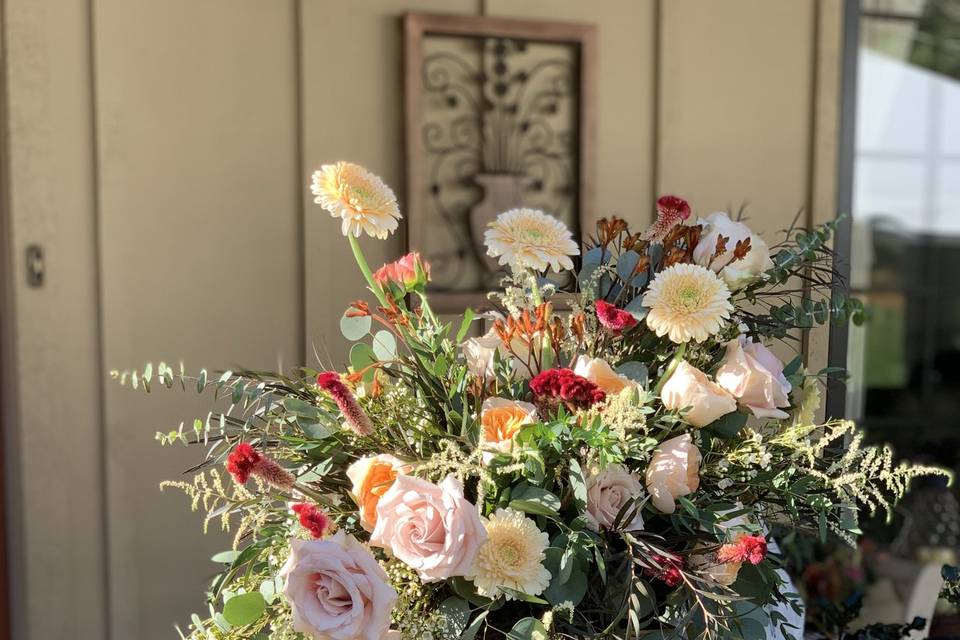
(604, 461)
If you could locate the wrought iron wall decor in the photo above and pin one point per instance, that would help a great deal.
(498, 115)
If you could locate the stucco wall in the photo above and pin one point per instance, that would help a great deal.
(160, 150)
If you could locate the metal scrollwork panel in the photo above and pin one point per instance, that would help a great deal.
(499, 127)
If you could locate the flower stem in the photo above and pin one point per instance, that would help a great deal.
(365, 270)
(677, 358)
(535, 289)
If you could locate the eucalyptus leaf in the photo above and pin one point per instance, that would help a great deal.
(528, 629)
(361, 357)
(455, 615)
(355, 328)
(636, 371)
(245, 608)
(384, 345)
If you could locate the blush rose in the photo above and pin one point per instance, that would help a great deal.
(753, 375)
(337, 590)
(432, 529)
(690, 387)
(674, 471)
(607, 492)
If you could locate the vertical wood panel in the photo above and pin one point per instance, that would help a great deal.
(735, 106)
(197, 122)
(55, 510)
(352, 90)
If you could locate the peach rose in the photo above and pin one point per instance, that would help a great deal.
(736, 273)
(690, 387)
(607, 492)
(371, 477)
(500, 421)
(433, 529)
(479, 354)
(723, 573)
(602, 374)
(755, 377)
(674, 471)
(337, 590)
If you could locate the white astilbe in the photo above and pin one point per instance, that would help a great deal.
(865, 474)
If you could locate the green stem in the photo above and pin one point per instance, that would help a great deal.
(365, 269)
(677, 359)
(535, 289)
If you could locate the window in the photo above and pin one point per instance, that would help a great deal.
(905, 240)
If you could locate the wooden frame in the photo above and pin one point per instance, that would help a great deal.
(415, 26)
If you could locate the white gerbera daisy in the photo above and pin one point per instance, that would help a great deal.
(360, 198)
(687, 301)
(512, 556)
(527, 238)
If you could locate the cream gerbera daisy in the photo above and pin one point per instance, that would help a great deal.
(527, 238)
(687, 301)
(512, 556)
(360, 198)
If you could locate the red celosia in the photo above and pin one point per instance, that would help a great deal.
(747, 548)
(614, 319)
(313, 519)
(356, 419)
(668, 570)
(245, 461)
(576, 392)
(671, 211)
(241, 461)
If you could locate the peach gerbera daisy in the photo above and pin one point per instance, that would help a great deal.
(360, 198)
(687, 301)
(512, 557)
(527, 238)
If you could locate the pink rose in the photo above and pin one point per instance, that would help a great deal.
(674, 471)
(690, 387)
(408, 273)
(755, 377)
(337, 590)
(607, 492)
(431, 528)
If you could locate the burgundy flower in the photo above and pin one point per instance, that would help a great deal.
(245, 461)
(356, 419)
(313, 519)
(668, 570)
(614, 319)
(671, 211)
(747, 548)
(566, 387)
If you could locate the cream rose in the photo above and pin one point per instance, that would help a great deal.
(371, 477)
(736, 273)
(755, 377)
(674, 471)
(337, 590)
(480, 354)
(690, 387)
(602, 374)
(607, 493)
(500, 421)
(433, 529)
